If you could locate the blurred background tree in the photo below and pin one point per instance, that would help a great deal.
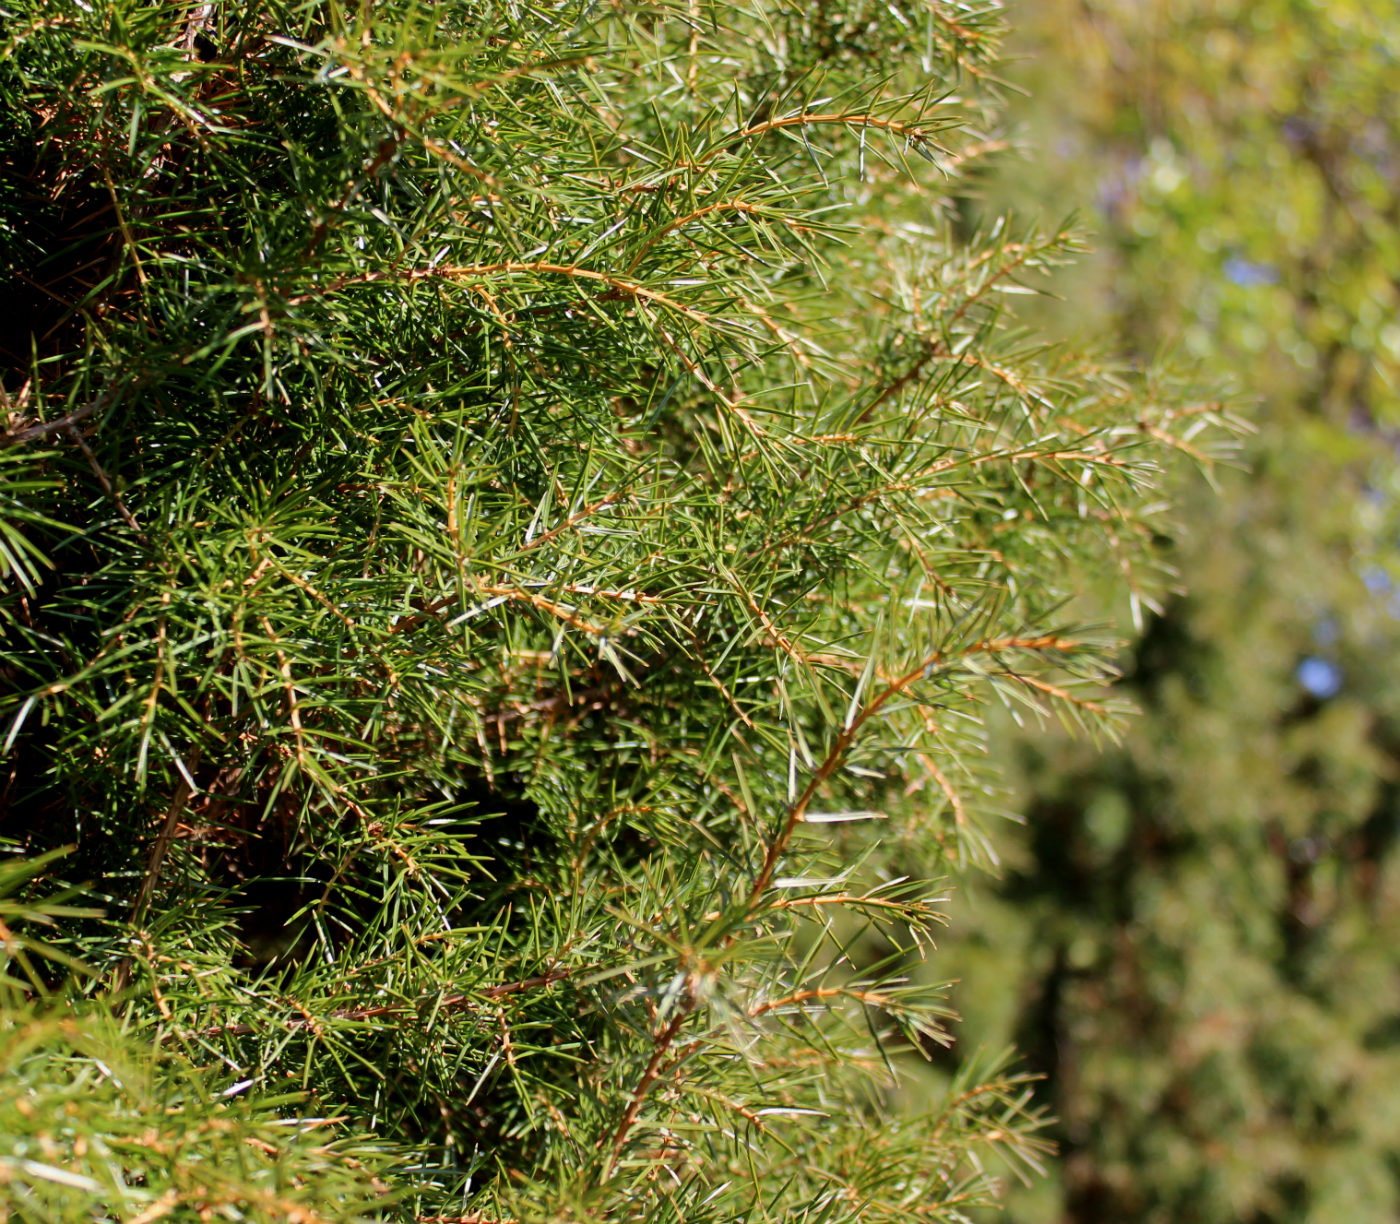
(1197, 936)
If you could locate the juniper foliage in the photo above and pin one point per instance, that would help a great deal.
(511, 514)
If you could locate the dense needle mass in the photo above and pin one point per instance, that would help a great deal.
(511, 514)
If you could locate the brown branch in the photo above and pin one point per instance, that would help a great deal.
(497, 591)
(181, 796)
(664, 1041)
(844, 898)
(1170, 439)
(154, 860)
(447, 1003)
(1061, 694)
(573, 520)
(290, 688)
(734, 405)
(913, 132)
(937, 349)
(848, 734)
(106, 482)
(915, 482)
(127, 236)
(510, 268)
(739, 206)
(19, 434)
(474, 1217)
(870, 998)
(719, 684)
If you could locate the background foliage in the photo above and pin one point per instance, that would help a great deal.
(1196, 934)
(513, 514)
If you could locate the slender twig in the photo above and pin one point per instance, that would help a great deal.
(32, 431)
(469, 272)
(107, 486)
(178, 800)
(851, 730)
(448, 1003)
(664, 1041)
(897, 127)
(474, 1217)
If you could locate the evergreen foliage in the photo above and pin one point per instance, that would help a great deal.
(512, 516)
(1197, 936)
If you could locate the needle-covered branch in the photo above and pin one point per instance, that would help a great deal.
(513, 521)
